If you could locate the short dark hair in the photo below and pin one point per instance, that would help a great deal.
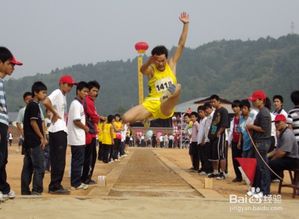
(81, 85)
(278, 97)
(160, 50)
(246, 103)
(194, 114)
(215, 96)
(236, 103)
(187, 114)
(26, 94)
(268, 103)
(295, 97)
(208, 105)
(5, 54)
(110, 118)
(201, 108)
(92, 84)
(37, 87)
(117, 115)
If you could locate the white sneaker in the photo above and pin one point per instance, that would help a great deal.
(203, 173)
(1, 197)
(10, 195)
(82, 186)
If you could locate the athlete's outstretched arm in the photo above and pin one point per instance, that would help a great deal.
(184, 18)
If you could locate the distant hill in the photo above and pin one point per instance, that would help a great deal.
(232, 69)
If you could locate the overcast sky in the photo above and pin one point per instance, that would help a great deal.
(46, 34)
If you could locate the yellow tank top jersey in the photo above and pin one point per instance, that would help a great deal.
(161, 81)
(157, 85)
(106, 136)
(117, 125)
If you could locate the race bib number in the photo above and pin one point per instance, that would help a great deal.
(163, 84)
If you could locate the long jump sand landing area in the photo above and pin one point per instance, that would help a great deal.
(149, 183)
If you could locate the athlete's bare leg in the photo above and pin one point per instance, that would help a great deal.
(168, 106)
(137, 113)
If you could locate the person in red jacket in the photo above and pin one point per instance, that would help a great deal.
(92, 119)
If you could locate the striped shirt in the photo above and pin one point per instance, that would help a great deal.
(294, 118)
(3, 105)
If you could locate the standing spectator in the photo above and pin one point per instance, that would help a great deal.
(47, 147)
(187, 131)
(261, 129)
(100, 138)
(194, 146)
(123, 140)
(234, 139)
(166, 140)
(10, 138)
(154, 140)
(34, 143)
(161, 140)
(92, 119)
(171, 141)
(7, 66)
(107, 139)
(278, 106)
(201, 140)
(247, 147)
(273, 128)
(207, 145)
(118, 127)
(27, 97)
(56, 103)
(77, 128)
(294, 114)
(217, 138)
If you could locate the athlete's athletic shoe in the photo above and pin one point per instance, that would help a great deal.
(220, 176)
(170, 91)
(82, 186)
(146, 123)
(1, 197)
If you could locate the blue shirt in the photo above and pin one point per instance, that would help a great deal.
(247, 145)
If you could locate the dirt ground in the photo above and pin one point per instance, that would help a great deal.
(140, 185)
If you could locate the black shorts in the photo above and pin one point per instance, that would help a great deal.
(217, 149)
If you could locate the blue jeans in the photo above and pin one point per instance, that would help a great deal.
(262, 176)
(33, 166)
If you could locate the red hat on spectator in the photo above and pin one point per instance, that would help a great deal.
(67, 79)
(257, 95)
(14, 61)
(280, 118)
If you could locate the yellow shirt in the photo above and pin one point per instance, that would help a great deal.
(100, 131)
(160, 81)
(106, 136)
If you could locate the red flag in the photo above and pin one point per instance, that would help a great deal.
(247, 168)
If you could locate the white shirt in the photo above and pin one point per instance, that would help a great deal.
(201, 131)
(208, 125)
(76, 135)
(58, 101)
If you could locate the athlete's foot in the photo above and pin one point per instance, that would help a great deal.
(146, 123)
(168, 93)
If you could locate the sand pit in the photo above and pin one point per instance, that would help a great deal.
(149, 183)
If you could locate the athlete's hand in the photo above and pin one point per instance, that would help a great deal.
(184, 18)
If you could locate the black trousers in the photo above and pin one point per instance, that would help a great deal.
(77, 164)
(236, 153)
(90, 158)
(204, 158)
(278, 165)
(194, 151)
(100, 152)
(33, 167)
(106, 152)
(4, 186)
(58, 143)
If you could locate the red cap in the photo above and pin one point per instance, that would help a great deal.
(257, 95)
(279, 118)
(67, 79)
(14, 61)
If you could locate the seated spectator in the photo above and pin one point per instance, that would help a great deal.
(286, 155)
